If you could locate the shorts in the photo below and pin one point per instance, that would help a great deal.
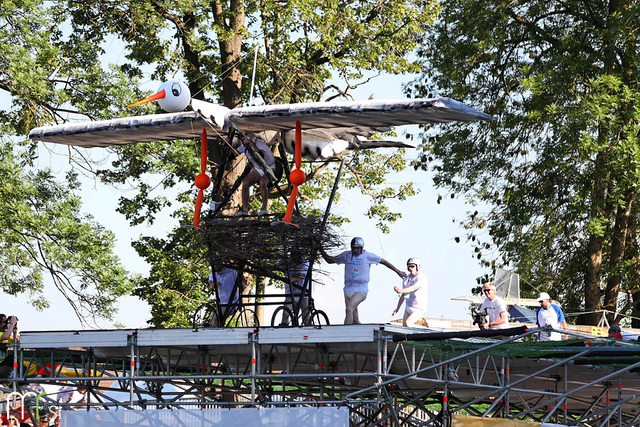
(276, 170)
(258, 169)
(411, 310)
(350, 294)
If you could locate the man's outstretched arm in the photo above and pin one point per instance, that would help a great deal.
(393, 267)
(328, 258)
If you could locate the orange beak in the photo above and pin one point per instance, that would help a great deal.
(155, 97)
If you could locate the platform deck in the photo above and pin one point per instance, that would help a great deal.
(343, 364)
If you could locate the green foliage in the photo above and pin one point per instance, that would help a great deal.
(50, 73)
(558, 170)
(42, 231)
(173, 288)
(308, 43)
(46, 76)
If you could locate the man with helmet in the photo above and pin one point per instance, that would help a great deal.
(357, 265)
(414, 291)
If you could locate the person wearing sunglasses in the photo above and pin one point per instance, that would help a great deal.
(414, 292)
(496, 308)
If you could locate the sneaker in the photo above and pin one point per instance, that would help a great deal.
(240, 213)
(263, 212)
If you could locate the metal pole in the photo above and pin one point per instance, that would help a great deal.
(132, 364)
(619, 399)
(16, 346)
(333, 194)
(379, 364)
(507, 381)
(413, 358)
(385, 359)
(445, 395)
(566, 389)
(253, 339)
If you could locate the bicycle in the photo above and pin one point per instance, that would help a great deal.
(236, 316)
(315, 317)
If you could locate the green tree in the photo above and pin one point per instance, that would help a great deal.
(43, 232)
(559, 169)
(306, 47)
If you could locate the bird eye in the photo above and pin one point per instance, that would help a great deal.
(176, 89)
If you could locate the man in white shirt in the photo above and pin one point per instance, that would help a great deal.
(357, 265)
(550, 314)
(495, 307)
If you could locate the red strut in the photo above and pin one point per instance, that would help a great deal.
(297, 176)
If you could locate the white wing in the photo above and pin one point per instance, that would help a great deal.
(370, 115)
(126, 130)
(336, 120)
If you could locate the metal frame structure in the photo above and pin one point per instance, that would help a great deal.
(385, 374)
(307, 287)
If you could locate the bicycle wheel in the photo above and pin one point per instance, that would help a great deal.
(202, 316)
(319, 318)
(248, 318)
(243, 318)
(276, 319)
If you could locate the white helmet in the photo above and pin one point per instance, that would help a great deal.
(414, 260)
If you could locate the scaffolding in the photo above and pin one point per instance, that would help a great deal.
(384, 374)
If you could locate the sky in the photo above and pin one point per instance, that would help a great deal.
(426, 230)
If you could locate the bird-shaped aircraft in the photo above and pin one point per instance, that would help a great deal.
(315, 131)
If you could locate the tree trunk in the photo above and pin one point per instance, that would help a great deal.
(592, 281)
(593, 269)
(618, 243)
(230, 49)
(635, 310)
(260, 289)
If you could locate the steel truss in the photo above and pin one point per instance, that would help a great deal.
(382, 374)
